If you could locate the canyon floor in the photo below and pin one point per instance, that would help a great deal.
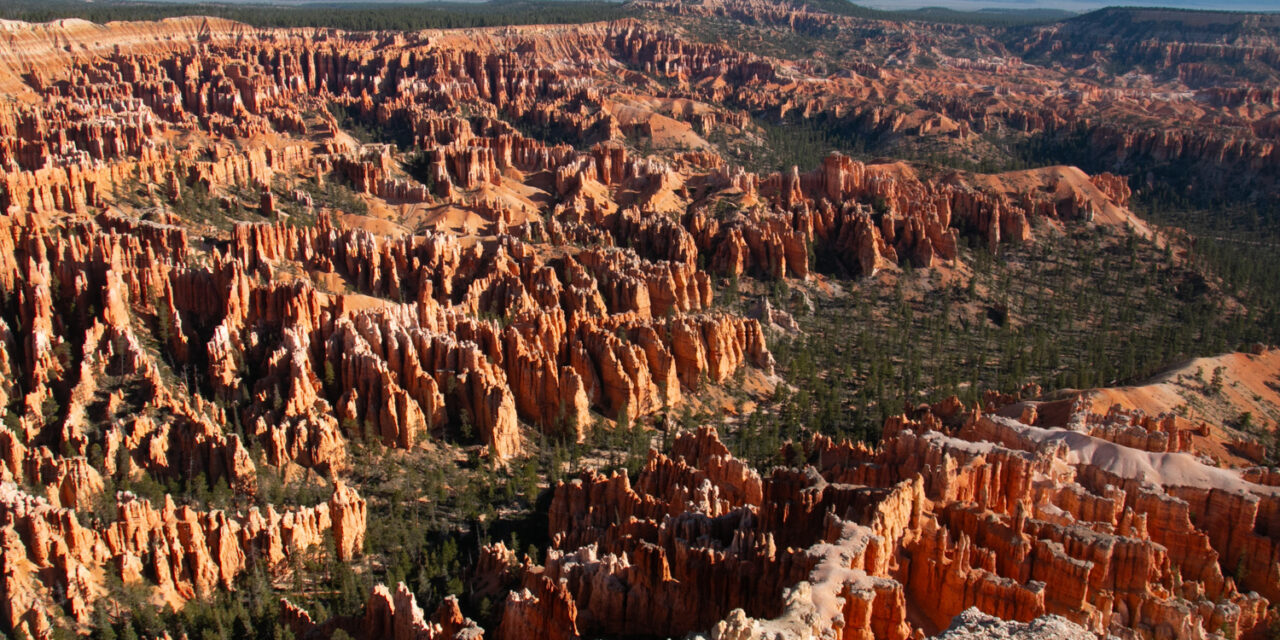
(720, 319)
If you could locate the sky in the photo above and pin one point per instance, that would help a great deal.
(1079, 6)
(1074, 5)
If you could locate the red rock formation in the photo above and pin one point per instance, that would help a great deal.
(1116, 187)
(393, 616)
(545, 610)
(186, 553)
(349, 515)
(1014, 520)
(543, 282)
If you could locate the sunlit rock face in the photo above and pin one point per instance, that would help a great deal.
(946, 523)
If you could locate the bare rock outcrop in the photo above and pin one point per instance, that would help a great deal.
(390, 615)
(1054, 528)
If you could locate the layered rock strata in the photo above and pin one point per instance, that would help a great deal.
(1019, 522)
